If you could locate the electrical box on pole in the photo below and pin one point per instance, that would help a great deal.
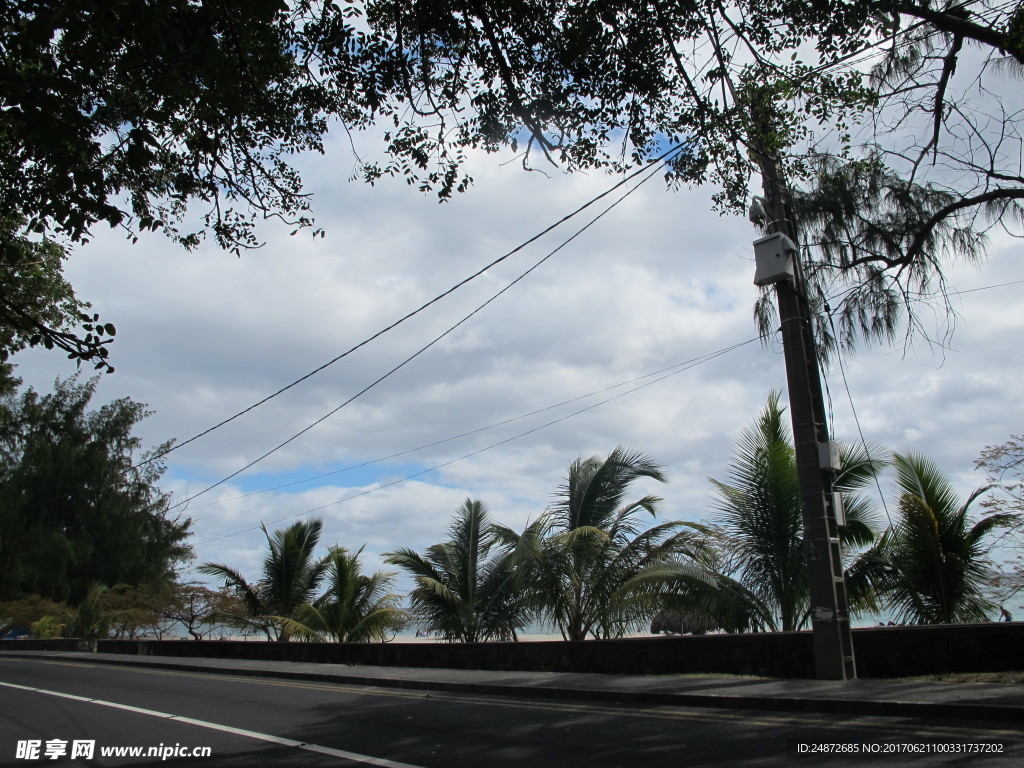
(828, 456)
(774, 259)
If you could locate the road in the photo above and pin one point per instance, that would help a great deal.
(254, 721)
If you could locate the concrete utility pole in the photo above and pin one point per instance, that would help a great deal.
(778, 263)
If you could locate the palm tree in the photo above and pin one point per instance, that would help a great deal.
(92, 618)
(693, 585)
(459, 593)
(356, 608)
(761, 521)
(934, 561)
(580, 556)
(291, 575)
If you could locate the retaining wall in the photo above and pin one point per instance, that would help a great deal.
(881, 652)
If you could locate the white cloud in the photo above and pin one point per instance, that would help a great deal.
(657, 282)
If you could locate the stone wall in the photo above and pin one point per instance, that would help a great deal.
(927, 650)
(881, 652)
(777, 655)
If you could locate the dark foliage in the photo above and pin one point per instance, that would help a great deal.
(73, 511)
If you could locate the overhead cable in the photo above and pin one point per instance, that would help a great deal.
(683, 365)
(698, 361)
(625, 180)
(650, 172)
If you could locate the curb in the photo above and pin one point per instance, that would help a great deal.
(863, 707)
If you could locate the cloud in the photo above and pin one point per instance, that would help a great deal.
(655, 283)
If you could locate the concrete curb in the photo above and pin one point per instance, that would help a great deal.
(572, 689)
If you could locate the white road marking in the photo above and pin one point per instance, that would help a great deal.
(330, 751)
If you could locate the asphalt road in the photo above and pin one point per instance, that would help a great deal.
(252, 721)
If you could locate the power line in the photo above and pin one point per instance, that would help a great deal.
(697, 361)
(625, 180)
(650, 169)
(856, 420)
(821, 68)
(842, 295)
(687, 363)
(541, 410)
(984, 288)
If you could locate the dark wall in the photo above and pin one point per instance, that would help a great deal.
(767, 654)
(907, 651)
(881, 652)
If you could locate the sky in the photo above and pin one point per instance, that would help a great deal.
(562, 365)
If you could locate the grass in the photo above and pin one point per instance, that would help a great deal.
(720, 676)
(1011, 678)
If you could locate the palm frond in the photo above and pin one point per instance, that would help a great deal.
(936, 556)
(759, 513)
(462, 591)
(249, 594)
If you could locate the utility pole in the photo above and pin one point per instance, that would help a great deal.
(778, 263)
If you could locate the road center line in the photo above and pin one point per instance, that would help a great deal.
(321, 750)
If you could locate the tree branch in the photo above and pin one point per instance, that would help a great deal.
(917, 244)
(948, 68)
(955, 22)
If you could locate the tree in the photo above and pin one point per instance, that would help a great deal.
(936, 172)
(935, 557)
(355, 608)
(136, 611)
(201, 610)
(588, 85)
(135, 114)
(75, 507)
(761, 525)
(18, 616)
(91, 619)
(613, 85)
(38, 307)
(584, 551)
(1004, 465)
(460, 594)
(290, 577)
(126, 114)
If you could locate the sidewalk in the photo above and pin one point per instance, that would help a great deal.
(892, 698)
